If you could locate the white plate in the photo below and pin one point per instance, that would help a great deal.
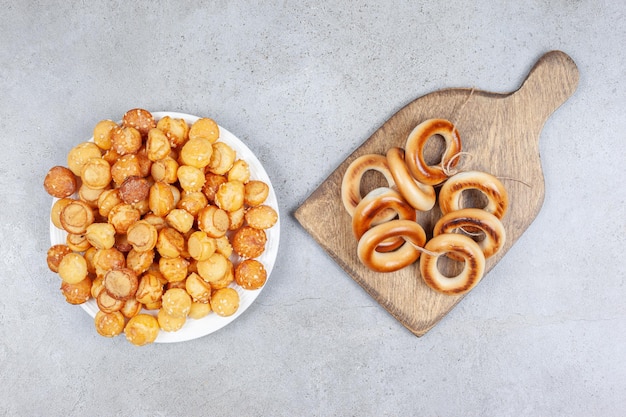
(194, 329)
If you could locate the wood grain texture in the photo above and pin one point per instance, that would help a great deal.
(500, 133)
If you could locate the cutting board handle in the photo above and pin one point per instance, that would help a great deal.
(549, 84)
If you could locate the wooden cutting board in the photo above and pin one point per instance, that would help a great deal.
(499, 132)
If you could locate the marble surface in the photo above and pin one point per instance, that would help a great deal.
(303, 84)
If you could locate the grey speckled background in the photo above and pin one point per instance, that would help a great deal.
(303, 84)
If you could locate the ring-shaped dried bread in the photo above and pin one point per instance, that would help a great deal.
(487, 184)
(352, 178)
(494, 235)
(420, 196)
(379, 200)
(405, 255)
(414, 149)
(60, 182)
(461, 245)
